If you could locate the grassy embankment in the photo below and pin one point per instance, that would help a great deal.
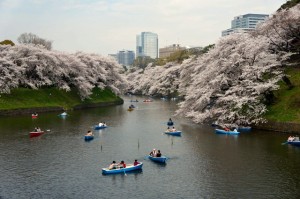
(287, 105)
(23, 98)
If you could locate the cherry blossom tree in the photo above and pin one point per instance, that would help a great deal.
(232, 82)
(34, 67)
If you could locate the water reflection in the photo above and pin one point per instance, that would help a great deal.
(201, 164)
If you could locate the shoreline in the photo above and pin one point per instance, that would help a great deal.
(23, 111)
(282, 127)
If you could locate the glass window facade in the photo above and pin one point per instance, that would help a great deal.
(147, 45)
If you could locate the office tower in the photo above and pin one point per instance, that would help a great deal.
(125, 57)
(147, 45)
(245, 23)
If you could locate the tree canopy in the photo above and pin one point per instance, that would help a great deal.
(34, 67)
(233, 81)
(30, 38)
(7, 42)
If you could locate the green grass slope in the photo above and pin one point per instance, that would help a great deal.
(22, 98)
(287, 104)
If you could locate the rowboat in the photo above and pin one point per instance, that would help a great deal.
(220, 131)
(97, 127)
(161, 159)
(147, 100)
(134, 101)
(36, 133)
(244, 128)
(88, 137)
(175, 133)
(34, 116)
(293, 141)
(122, 170)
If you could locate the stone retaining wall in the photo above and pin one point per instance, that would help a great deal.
(286, 127)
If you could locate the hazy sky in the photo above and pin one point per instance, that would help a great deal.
(106, 26)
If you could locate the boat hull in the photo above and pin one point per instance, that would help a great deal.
(175, 133)
(100, 127)
(220, 131)
(122, 170)
(36, 134)
(294, 143)
(244, 129)
(88, 137)
(161, 159)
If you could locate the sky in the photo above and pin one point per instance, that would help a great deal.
(107, 26)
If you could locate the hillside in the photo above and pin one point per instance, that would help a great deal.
(24, 98)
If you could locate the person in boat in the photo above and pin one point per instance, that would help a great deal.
(113, 165)
(235, 130)
(38, 129)
(104, 123)
(173, 129)
(89, 133)
(35, 129)
(291, 138)
(135, 163)
(226, 128)
(100, 124)
(158, 154)
(168, 129)
(122, 164)
(153, 153)
(170, 120)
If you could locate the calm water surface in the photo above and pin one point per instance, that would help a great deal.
(201, 164)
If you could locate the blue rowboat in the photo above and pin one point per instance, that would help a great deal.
(294, 143)
(220, 131)
(88, 137)
(170, 123)
(175, 133)
(97, 127)
(122, 170)
(244, 128)
(161, 159)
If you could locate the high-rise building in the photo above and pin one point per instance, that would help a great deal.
(147, 45)
(245, 23)
(125, 57)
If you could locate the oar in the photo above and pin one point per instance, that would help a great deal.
(125, 173)
(284, 143)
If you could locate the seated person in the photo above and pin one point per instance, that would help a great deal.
(113, 165)
(158, 154)
(122, 164)
(89, 133)
(226, 128)
(173, 129)
(153, 153)
(135, 163)
(100, 124)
